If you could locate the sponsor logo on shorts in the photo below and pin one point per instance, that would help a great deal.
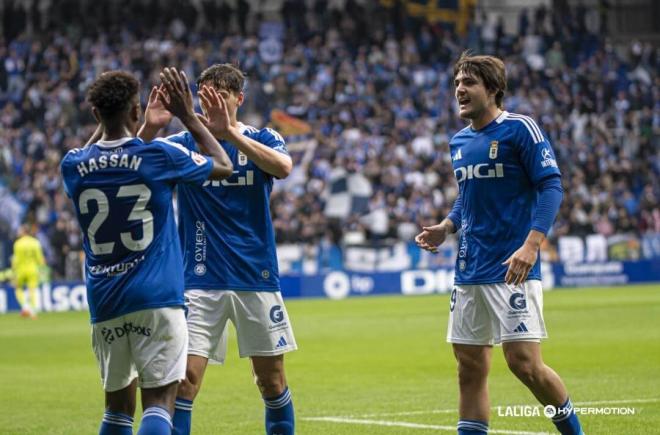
(517, 301)
(276, 314)
(281, 343)
(111, 334)
(265, 274)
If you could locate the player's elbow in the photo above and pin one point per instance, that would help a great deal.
(283, 168)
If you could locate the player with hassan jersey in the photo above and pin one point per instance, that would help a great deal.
(509, 194)
(122, 190)
(230, 260)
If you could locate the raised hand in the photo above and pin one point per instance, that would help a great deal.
(216, 112)
(156, 116)
(176, 95)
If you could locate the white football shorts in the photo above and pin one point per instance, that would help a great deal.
(148, 344)
(487, 314)
(262, 323)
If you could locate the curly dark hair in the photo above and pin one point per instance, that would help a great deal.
(112, 93)
(223, 76)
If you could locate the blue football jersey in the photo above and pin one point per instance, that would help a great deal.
(225, 226)
(122, 193)
(497, 169)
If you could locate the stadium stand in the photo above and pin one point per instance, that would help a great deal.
(373, 85)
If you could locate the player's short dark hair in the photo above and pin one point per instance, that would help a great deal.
(113, 92)
(489, 69)
(223, 76)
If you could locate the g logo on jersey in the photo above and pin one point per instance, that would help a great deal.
(517, 301)
(276, 314)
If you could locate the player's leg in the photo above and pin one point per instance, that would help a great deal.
(271, 380)
(119, 411)
(33, 286)
(525, 361)
(473, 404)
(187, 392)
(160, 362)
(471, 335)
(20, 281)
(521, 327)
(207, 334)
(264, 334)
(158, 406)
(118, 375)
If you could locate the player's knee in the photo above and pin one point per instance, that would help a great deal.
(524, 368)
(270, 384)
(471, 370)
(189, 387)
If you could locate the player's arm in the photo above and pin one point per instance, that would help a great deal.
(41, 261)
(177, 99)
(432, 237)
(550, 194)
(538, 160)
(266, 158)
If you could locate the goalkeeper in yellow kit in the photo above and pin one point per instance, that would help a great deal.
(27, 260)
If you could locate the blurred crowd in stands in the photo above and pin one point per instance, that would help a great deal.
(374, 84)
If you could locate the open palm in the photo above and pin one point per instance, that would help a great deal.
(217, 114)
(156, 114)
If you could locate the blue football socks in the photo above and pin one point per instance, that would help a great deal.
(155, 421)
(116, 423)
(472, 427)
(566, 420)
(182, 419)
(279, 414)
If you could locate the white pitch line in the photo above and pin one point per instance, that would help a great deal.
(453, 410)
(412, 425)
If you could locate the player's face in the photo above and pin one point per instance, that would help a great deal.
(472, 96)
(233, 100)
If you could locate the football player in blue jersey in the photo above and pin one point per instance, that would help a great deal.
(230, 260)
(122, 190)
(509, 194)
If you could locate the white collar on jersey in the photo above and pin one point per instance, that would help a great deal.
(502, 117)
(114, 143)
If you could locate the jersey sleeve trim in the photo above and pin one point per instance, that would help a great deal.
(530, 125)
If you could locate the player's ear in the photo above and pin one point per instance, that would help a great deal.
(240, 98)
(136, 112)
(96, 114)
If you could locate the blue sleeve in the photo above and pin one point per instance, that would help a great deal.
(455, 215)
(183, 138)
(67, 170)
(273, 139)
(183, 165)
(550, 194)
(536, 153)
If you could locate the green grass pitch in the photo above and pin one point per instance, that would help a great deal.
(376, 365)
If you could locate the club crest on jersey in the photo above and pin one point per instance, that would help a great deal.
(242, 159)
(492, 153)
